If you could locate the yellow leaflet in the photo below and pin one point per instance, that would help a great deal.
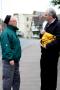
(47, 38)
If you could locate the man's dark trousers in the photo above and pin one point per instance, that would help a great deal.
(11, 76)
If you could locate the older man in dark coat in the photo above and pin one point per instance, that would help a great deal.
(50, 47)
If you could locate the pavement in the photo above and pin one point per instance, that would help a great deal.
(30, 68)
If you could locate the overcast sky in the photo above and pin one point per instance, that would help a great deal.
(23, 6)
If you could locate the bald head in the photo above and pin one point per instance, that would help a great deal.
(13, 21)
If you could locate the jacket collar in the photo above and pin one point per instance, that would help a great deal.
(54, 21)
(13, 27)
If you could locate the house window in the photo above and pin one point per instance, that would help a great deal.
(27, 19)
(27, 26)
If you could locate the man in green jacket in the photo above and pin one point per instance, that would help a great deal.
(11, 54)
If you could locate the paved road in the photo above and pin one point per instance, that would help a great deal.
(30, 66)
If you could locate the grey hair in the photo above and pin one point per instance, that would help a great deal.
(52, 12)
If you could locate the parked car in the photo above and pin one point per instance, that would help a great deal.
(19, 33)
(35, 36)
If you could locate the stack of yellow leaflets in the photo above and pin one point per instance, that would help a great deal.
(47, 38)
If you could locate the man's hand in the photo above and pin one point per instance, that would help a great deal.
(12, 62)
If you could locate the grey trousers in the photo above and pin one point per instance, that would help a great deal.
(11, 76)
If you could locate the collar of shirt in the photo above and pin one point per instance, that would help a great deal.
(52, 21)
(48, 24)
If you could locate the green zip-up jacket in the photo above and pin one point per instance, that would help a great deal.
(10, 44)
